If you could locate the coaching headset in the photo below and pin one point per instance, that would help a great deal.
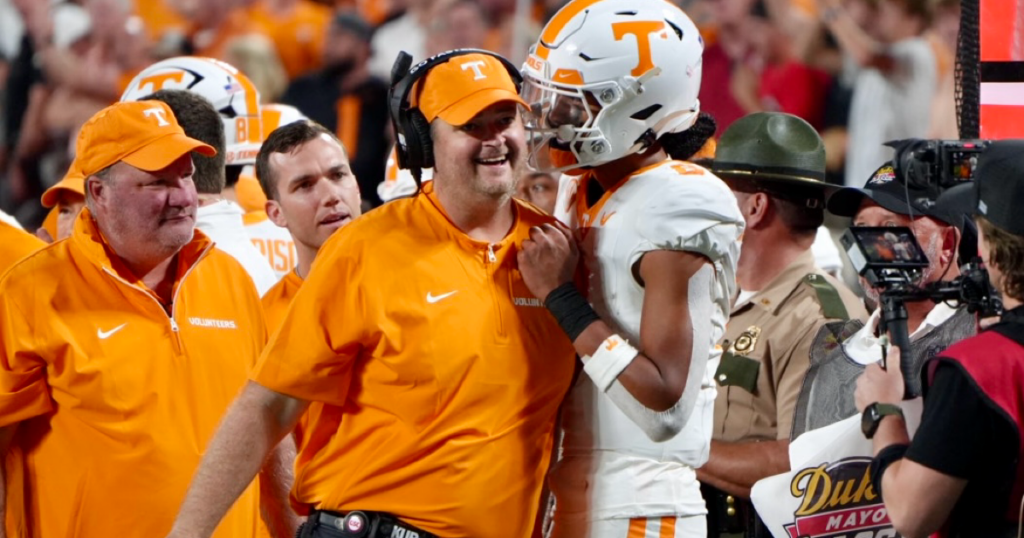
(415, 149)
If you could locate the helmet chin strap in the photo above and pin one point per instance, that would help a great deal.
(646, 140)
(636, 85)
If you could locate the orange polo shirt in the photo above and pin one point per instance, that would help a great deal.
(15, 244)
(440, 373)
(275, 305)
(278, 298)
(115, 399)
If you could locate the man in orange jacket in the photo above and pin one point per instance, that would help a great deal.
(121, 347)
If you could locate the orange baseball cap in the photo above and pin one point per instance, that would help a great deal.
(144, 134)
(462, 87)
(73, 181)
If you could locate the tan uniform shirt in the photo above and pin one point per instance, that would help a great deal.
(767, 350)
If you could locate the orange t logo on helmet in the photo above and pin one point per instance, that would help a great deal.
(158, 80)
(642, 30)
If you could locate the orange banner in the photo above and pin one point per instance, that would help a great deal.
(1002, 68)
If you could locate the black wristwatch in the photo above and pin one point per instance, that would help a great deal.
(873, 415)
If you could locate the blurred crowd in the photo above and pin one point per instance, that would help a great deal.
(62, 61)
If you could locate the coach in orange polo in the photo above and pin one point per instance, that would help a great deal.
(440, 373)
(121, 347)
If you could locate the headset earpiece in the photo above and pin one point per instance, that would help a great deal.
(415, 149)
(425, 151)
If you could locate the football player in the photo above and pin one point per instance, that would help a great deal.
(612, 87)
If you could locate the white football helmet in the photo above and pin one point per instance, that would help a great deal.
(232, 94)
(276, 115)
(607, 78)
(398, 182)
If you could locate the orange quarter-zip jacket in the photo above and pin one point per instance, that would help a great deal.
(116, 395)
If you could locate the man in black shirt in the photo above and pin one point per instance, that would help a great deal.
(346, 99)
(962, 472)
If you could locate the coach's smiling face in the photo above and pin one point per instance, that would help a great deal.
(484, 155)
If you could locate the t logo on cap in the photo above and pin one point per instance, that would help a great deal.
(159, 113)
(124, 132)
(446, 91)
(475, 66)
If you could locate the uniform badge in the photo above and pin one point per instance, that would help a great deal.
(746, 341)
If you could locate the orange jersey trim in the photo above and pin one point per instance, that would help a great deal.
(587, 216)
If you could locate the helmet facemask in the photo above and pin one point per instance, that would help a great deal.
(562, 123)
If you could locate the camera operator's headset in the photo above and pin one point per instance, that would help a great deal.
(415, 149)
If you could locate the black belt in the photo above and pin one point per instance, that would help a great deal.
(358, 524)
(729, 514)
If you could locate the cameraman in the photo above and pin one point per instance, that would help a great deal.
(842, 350)
(962, 471)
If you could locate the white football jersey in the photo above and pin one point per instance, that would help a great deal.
(609, 467)
(222, 222)
(273, 241)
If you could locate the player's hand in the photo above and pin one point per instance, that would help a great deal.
(548, 258)
(878, 385)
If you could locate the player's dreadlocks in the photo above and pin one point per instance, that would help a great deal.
(682, 146)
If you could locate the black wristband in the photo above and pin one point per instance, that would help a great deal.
(886, 457)
(571, 309)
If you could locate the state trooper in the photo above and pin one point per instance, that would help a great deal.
(775, 165)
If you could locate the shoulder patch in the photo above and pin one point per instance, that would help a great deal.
(828, 297)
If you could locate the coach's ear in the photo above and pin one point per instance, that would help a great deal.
(95, 188)
(274, 213)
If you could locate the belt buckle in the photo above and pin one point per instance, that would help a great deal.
(355, 523)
